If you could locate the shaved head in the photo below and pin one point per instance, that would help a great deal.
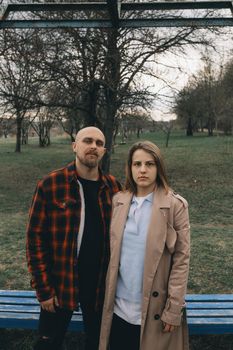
(89, 147)
(87, 131)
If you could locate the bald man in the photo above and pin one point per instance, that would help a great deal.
(68, 242)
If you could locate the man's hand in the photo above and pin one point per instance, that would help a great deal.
(49, 305)
(168, 328)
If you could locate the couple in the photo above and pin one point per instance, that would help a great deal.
(77, 234)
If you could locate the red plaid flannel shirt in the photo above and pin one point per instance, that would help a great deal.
(52, 232)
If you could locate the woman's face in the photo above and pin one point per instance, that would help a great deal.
(144, 172)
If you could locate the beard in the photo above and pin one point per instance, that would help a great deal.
(89, 162)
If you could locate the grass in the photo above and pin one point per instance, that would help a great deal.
(199, 168)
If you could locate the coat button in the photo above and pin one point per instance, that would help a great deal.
(156, 317)
(155, 294)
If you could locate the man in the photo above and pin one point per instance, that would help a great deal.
(68, 242)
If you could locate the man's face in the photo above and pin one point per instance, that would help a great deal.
(89, 147)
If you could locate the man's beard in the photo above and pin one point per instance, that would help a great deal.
(89, 163)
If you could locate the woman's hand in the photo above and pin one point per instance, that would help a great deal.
(168, 328)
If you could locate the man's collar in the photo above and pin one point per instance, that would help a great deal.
(73, 174)
(71, 171)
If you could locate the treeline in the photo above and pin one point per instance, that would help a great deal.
(206, 102)
(81, 77)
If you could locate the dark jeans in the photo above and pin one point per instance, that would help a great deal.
(124, 336)
(92, 324)
(53, 326)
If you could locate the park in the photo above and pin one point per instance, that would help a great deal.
(200, 168)
(64, 66)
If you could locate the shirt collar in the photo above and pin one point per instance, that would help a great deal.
(148, 198)
(73, 173)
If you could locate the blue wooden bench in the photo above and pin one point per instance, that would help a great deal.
(206, 313)
(20, 309)
(210, 313)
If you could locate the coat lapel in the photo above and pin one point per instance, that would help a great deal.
(120, 213)
(155, 244)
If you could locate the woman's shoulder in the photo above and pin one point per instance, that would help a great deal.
(121, 195)
(177, 198)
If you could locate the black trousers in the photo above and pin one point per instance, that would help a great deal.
(53, 327)
(124, 336)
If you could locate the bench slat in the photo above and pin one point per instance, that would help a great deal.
(208, 325)
(19, 308)
(17, 293)
(190, 312)
(211, 305)
(208, 297)
(210, 320)
(20, 301)
(76, 317)
(190, 304)
(23, 309)
(210, 313)
(30, 321)
(204, 329)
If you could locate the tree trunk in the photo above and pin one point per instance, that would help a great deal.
(24, 135)
(18, 133)
(210, 132)
(139, 129)
(168, 137)
(112, 83)
(109, 129)
(210, 127)
(116, 128)
(41, 135)
(47, 134)
(189, 130)
(89, 101)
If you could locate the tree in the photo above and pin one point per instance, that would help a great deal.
(101, 67)
(133, 121)
(187, 107)
(93, 72)
(42, 125)
(207, 101)
(225, 91)
(7, 125)
(166, 127)
(20, 83)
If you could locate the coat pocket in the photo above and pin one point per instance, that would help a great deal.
(171, 238)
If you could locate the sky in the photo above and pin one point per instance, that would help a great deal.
(179, 69)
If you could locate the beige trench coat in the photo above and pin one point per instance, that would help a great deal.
(165, 271)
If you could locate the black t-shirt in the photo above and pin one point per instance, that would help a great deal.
(91, 250)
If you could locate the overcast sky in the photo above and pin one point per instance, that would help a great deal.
(178, 69)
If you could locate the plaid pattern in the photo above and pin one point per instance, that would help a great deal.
(54, 220)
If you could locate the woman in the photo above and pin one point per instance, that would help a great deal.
(148, 270)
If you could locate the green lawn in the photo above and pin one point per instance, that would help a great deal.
(200, 168)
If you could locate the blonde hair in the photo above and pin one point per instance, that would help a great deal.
(151, 148)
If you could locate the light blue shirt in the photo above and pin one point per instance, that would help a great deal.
(130, 278)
